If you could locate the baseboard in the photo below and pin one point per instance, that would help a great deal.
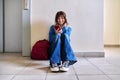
(90, 54)
(108, 45)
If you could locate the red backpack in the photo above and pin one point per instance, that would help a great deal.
(40, 50)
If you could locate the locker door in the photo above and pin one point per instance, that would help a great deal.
(13, 25)
(1, 25)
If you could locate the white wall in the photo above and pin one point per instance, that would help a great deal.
(112, 22)
(85, 17)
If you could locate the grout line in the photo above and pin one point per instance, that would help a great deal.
(75, 73)
(46, 74)
(13, 77)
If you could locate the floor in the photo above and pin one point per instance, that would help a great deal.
(15, 67)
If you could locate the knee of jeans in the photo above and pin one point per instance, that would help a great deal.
(65, 35)
(58, 35)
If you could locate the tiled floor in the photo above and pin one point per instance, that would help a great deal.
(15, 67)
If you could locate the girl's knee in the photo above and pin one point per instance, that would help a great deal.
(65, 35)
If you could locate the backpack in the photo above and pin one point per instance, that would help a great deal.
(40, 50)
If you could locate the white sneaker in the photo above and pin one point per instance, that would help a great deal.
(64, 69)
(54, 68)
(65, 66)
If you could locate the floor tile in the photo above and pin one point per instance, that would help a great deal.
(10, 70)
(114, 77)
(6, 77)
(98, 61)
(15, 67)
(29, 77)
(109, 69)
(61, 77)
(93, 77)
(86, 69)
(82, 61)
(36, 68)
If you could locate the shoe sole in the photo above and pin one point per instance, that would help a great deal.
(62, 70)
(54, 70)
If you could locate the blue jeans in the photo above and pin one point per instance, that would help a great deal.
(61, 50)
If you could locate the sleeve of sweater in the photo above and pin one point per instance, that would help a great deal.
(68, 30)
(51, 34)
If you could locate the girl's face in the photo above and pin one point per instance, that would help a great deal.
(61, 20)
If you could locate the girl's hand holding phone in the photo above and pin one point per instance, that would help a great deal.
(58, 29)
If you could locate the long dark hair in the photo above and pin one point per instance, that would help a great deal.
(58, 14)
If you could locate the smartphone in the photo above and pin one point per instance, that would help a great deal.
(57, 28)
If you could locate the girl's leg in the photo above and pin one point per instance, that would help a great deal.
(55, 59)
(55, 50)
(67, 53)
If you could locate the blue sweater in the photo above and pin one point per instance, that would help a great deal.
(52, 34)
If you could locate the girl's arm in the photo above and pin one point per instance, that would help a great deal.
(51, 34)
(68, 30)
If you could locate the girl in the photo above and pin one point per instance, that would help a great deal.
(61, 53)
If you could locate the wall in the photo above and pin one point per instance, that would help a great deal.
(112, 22)
(1, 26)
(26, 31)
(119, 35)
(84, 16)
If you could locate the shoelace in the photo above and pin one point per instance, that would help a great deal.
(65, 64)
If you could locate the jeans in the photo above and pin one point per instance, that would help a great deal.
(61, 50)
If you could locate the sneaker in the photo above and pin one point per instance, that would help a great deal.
(54, 68)
(65, 66)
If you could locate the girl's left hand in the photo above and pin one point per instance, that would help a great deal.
(59, 31)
